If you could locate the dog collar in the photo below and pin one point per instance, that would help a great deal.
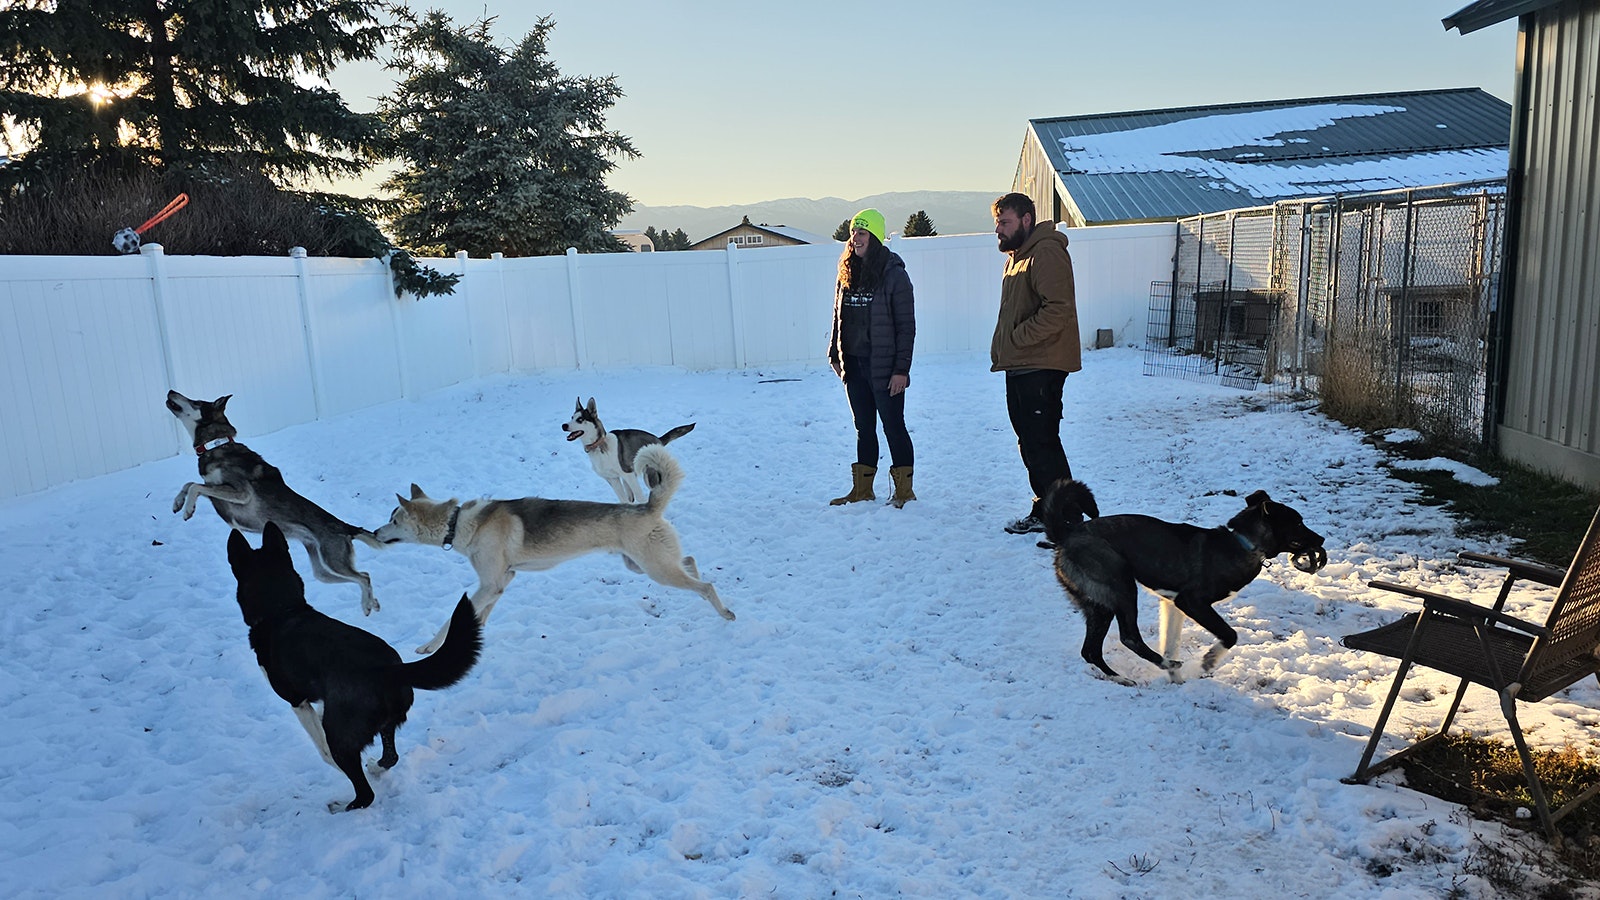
(211, 445)
(450, 531)
(590, 448)
(1245, 542)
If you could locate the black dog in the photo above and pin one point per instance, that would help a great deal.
(364, 689)
(1101, 562)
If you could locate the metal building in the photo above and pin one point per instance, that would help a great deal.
(1166, 164)
(1544, 365)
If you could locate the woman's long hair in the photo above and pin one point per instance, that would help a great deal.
(861, 273)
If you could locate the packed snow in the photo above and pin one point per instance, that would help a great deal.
(899, 709)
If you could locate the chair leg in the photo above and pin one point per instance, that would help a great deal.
(1508, 705)
(1449, 717)
(1364, 770)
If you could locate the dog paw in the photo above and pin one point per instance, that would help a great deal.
(1213, 657)
(728, 614)
(369, 605)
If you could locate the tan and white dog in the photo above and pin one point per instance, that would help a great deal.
(503, 537)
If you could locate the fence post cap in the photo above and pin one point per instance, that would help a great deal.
(297, 253)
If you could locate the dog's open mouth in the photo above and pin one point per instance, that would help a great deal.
(1310, 559)
(573, 435)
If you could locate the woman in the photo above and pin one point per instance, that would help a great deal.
(874, 325)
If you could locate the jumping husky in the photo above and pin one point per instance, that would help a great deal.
(614, 453)
(1101, 562)
(503, 537)
(248, 492)
(310, 658)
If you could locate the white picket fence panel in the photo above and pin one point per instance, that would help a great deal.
(90, 345)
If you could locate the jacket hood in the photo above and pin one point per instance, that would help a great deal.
(1044, 231)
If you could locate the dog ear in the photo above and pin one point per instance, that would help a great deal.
(239, 550)
(272, 539)
(577, 404)
(221, 403)
(416, 492)
(591, 406)
(1256, 499)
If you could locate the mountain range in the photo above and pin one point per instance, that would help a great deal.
(952, 212)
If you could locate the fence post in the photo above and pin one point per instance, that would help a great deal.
(392, 301)
(302, 289)
(1403, 325)
(505, 308)
(464, 288)
(156, 264)
(735, 306)
(580, 341)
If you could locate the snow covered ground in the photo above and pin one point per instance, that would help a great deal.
(899, 709)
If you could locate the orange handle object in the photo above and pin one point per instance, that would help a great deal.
(178, 202)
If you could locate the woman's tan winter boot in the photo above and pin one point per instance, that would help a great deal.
(902, 486)
(862, 488)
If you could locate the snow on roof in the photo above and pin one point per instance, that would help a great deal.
(1182, 147)
(1158, 164)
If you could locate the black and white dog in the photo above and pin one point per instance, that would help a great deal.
(247, 492)
(309, 658)
(1102, 561)
(612, 453)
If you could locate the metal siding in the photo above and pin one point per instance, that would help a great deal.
(1554, 355)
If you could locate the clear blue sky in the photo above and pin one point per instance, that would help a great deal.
(737, 102)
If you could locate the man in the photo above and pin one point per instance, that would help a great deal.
(1035, 342)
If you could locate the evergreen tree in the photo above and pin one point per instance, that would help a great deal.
(657, 240)
(498, 150)
(680, 240)
(186, 83)
(918, 225)
(112, 108)
(842, 233)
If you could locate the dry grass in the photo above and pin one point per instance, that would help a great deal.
(228, 214)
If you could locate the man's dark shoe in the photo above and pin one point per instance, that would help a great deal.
(1028, 524)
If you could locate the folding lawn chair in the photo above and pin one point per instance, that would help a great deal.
(1518, 660)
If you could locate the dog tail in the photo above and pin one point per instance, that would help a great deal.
(366, 537)
(454, 659)
(1066, 504)
(676, 433)
(661, 473)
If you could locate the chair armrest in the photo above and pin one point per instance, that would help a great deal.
(1532, 571)
(1461, 609)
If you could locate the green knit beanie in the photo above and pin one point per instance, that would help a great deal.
(870, 220)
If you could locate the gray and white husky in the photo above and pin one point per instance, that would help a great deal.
(503, 537)
(613, 454)
(248, 492)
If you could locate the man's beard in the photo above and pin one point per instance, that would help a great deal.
(1015, 239)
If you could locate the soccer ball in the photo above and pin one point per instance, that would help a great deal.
(126, 241)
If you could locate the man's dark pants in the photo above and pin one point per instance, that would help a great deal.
(1033, 399)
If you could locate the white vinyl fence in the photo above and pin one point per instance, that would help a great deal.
(90, 345)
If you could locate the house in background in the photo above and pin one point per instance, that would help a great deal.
(1165, 164)
(1544, 349)
(747, 236)
(635, 239)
